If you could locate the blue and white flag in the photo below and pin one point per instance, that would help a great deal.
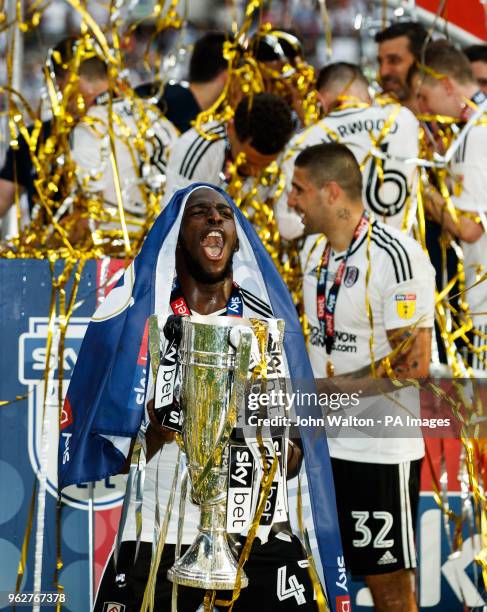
(105, 402)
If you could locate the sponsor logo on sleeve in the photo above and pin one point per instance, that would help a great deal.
(405, 304)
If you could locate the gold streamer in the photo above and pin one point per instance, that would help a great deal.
(259, 373)
(326, 26)
(26, 539)
(368, 307)
(18, 398)
(149, 593)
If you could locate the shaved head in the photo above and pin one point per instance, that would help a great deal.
(332, 162)
(341, 79)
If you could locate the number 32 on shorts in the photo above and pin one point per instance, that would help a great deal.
(361, 528)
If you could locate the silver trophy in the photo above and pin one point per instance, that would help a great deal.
(215, 356)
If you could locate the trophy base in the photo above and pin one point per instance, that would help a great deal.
(207, 564)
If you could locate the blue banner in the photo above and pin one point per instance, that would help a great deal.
(25, 295)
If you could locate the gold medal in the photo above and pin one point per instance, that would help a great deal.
(330, 368)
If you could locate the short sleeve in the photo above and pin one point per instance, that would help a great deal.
(410, 302)
(86, 152)
(469, 172)
(288, 221)
(193, 159)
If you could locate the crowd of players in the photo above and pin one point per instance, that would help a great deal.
(355, 198)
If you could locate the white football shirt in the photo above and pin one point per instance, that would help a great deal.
(396, 132)
(401, 293)
(469, 169)
(195, 158)
(141, 155)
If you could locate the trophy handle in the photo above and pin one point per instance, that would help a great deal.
(154, 345)
(242, 362)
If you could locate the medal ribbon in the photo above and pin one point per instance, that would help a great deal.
(179, 305)
(326, 305)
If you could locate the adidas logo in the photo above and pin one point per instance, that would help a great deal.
(387, 558)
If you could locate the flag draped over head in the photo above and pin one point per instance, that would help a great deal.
(105, 403)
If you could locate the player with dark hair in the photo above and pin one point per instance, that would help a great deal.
(207, 255)
(400, 47)
(477, 54)
(364, 272)
(449, 88)
(333, 162)
(207, 61)
(182, 102)
(259, 131)
(263, 122)
(412, 30)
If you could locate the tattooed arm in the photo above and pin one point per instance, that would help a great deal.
(409, 359)
(411, 351)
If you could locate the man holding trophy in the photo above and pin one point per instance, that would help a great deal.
(202, 262)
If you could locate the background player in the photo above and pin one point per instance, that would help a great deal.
(449, 87)
(141, 163)
(260, 129)
(400, 47)
(181, 102)
(363, 262)
(369, 131)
